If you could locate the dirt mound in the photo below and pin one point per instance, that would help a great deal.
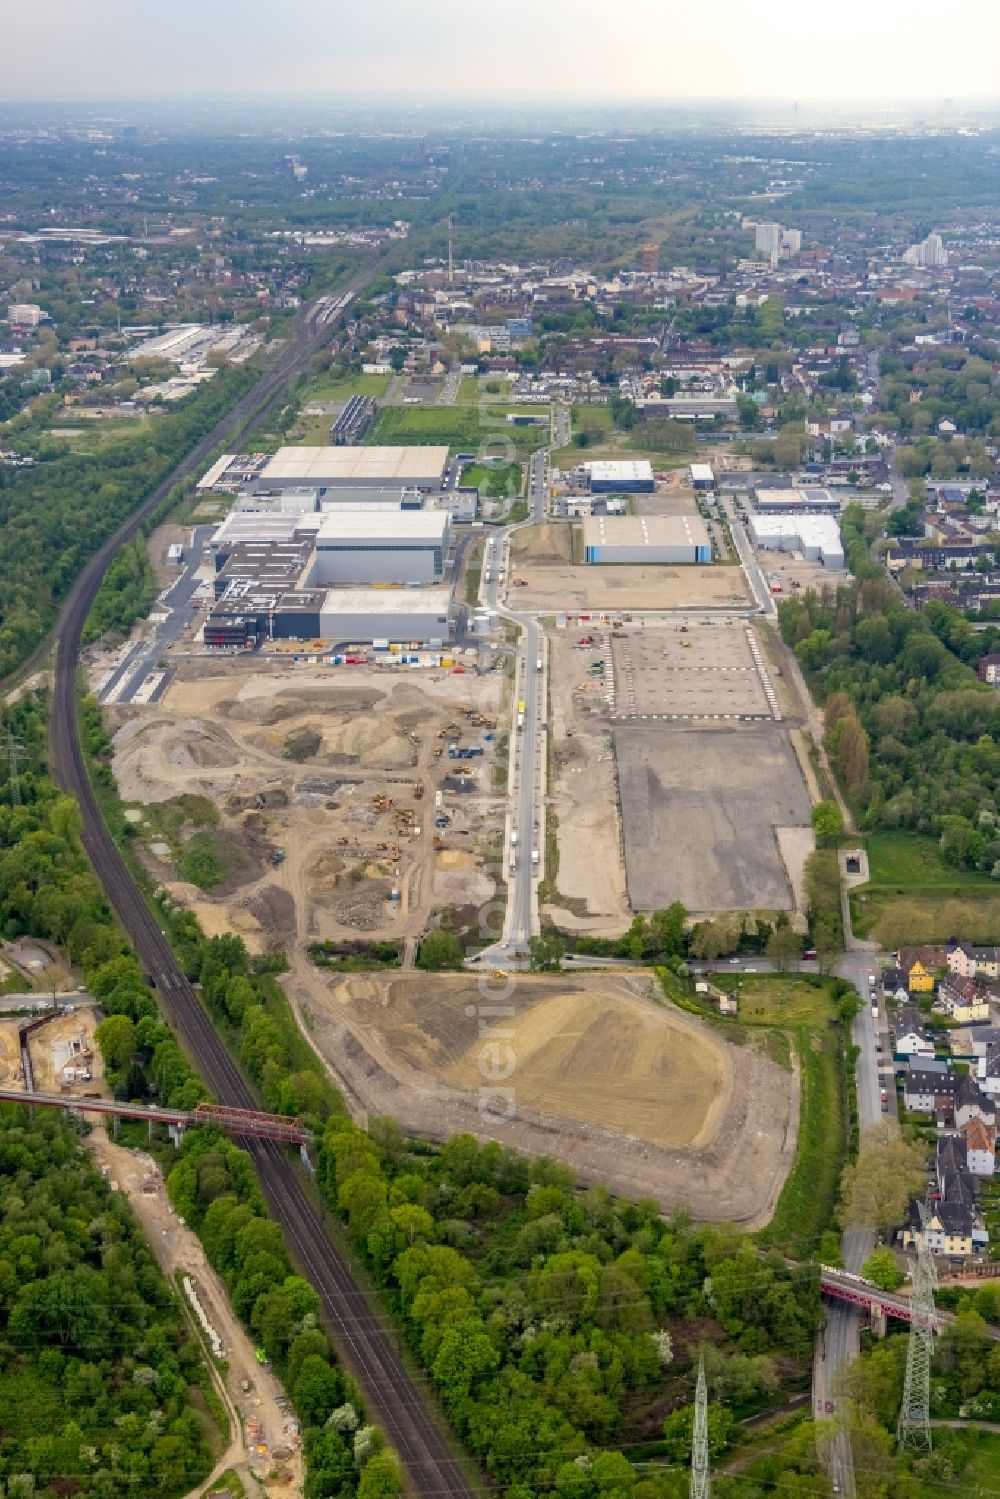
(588, 1069)
(191, 745)
(364, 910)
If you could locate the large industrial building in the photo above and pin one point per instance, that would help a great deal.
(817, 537)
(393, 614)
(384, 546)
(647, 539)
(357, 467)
(246, 616)
(631, 476)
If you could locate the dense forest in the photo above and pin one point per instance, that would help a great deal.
(913, 732)
(557, 1323)
(96, 1363)
(53, 517)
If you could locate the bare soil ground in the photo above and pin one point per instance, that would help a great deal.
(178, 1249)
(553, 583)
(583, 791)
(590, 1068)
(63, 1045)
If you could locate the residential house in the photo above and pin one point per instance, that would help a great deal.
(988, 668)
(918, 965)
(928, 1084)
(954, 1224)
(962, 1000)
(980, 1147)
(912, 1038)
(894, 985)
(970, 1102)
(971, 962)
(988, 1074)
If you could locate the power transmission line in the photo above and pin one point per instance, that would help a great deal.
(701, 1477)
(914, 1427)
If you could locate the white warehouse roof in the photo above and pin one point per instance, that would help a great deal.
(387, 601)
(814, 535)
(376, 525)
(621, 471)
(405, 465)
(701, 473)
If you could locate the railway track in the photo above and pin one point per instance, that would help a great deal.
(364, 1345)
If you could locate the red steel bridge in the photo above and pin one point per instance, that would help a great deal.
(244, 1123)
(861, 1293)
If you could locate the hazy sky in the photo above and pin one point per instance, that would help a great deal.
(662, 50)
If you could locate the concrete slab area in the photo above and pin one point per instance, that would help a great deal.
(688, 673)
(700, 805)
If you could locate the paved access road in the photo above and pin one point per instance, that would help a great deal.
(391, 1397)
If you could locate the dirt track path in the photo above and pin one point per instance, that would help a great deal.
(178, 1249)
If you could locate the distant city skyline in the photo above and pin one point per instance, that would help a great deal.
(653, 51)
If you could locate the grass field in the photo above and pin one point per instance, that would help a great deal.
(914, 896)
(460, 427)
(493, 482)
(796, 1012)
(328, 388)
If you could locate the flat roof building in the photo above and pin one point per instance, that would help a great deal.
(631, 476)
(378, 467)
(702, 476)
(394, 614)
(647, 539)
(401, 546)
(817, 537)
(807, 498)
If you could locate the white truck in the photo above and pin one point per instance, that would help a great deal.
(534, 858)
(538, 664)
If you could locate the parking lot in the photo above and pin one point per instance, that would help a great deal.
(690, 671)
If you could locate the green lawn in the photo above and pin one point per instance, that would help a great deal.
(912, 861)
(462, 428)
(329, 388)
(788, 1012)
(494, 481)
(914, 896)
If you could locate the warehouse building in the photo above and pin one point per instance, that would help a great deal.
(702, 476)
(634, 476)
(401, 546)
(247, 616)
(423, 468)
(817, 537)
(417, 615)
(647, 539)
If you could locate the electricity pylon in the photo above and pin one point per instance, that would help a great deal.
(13, 750)
(701, 1477)
(914, 1426)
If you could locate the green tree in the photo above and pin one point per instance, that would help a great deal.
(116, 1038)
(828, 824)
(440, 949)
(876, 1189)
(882, 1270)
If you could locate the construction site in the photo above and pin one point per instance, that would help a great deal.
(53, 1052)
(315, 804)
(673, 735)
(590, 1068)
(548, 571)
